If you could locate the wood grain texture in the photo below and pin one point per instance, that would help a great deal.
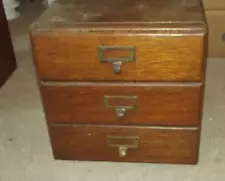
(167, 77)
(89, 15)
(155, 145)
(158, 58)
(156, 105)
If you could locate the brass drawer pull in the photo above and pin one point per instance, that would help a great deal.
(123, 143)
(117, 62)
(120, 108)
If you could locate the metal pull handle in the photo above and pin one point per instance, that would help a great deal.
(122, 151)
(117, 62)
(121, 104)
(120, 112)
(117, 66)
(123, 143)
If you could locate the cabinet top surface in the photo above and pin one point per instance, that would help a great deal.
(122, 13)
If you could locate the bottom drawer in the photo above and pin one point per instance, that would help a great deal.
(125, 144)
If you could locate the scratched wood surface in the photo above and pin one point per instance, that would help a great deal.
(158, 58)
(169, 40)
(154, 105)
(155, 145)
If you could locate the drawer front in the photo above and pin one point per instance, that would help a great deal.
(129, 144)
(119, 57)
(143, 104)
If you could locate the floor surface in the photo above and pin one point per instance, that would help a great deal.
(25, 152)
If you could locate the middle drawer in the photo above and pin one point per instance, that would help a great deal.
(122, 104)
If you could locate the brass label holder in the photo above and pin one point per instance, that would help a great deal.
(120, 109)
(117, 62)
(123, 148)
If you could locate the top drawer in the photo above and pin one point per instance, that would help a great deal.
(119, 57)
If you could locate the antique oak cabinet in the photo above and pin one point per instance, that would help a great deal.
(122, 80)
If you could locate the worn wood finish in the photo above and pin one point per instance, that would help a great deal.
(155, 145)
(7, 57)
(156, 104)
(88, 15)
(167, 78)
(158, 58)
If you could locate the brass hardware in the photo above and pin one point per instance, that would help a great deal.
(120, 109)
(120, 112)
(122, 151)
(123, 148)
(117, 66)
(117, 62)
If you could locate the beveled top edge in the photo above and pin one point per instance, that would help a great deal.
(84, 14)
